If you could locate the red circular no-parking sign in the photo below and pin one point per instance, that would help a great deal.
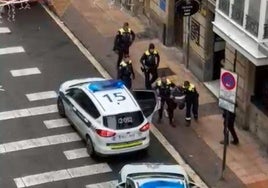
(228, 80)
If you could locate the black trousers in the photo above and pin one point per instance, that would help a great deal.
(151, 76)
(171, 106)
(230, 127)
(192, 105)
(127, 82)
(121, 54)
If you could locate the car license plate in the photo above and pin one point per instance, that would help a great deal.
(126, 136)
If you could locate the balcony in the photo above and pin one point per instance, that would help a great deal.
(237, 14)
(224, 6)
(252, 25)
(265, 35)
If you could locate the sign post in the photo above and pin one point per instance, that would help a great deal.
(227, 100)
(186, 8)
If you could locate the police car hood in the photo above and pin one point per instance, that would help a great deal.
(68, 84)
(153, 168)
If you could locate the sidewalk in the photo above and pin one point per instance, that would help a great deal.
(95, 23)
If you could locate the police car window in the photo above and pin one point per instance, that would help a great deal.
(85, 102)
(124, 120)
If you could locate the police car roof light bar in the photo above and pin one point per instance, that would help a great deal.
(105, 85)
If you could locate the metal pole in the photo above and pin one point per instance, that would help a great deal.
(226, 142)
(188, 42)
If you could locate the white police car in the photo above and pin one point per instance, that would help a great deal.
(108, 116)
(153, 175)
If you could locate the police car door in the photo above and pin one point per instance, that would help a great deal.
(148, 101)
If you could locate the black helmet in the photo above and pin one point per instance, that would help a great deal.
(151, 46)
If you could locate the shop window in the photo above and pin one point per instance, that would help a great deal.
(224, 6)
(238, 11)
(266, 22)
(253, 16)
(260, 98)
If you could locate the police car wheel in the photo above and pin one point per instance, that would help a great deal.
(90, 147)
(61, 107)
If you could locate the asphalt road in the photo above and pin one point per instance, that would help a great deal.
(50, 58)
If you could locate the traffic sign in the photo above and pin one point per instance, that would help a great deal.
(228, 87)
(228, 80)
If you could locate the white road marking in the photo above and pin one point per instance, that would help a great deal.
(76, 153)
(52, 176)
(1, 88)
(55, 123)
(39, 142)
(108, 184)
(4, 30)
(40, 110)
(173, 152)
(41, 95)
(11, 50)
(25, 72)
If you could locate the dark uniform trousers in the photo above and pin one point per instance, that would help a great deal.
(147, 74)
(192, 102)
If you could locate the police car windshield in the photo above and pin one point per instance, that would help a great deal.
(123, 121)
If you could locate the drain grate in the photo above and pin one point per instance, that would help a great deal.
(167, 71)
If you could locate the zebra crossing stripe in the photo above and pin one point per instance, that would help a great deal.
(25, 72)
(11, 50)
(39, 142)
(64, 174)
(40, 110)
(108, 184)
(76, 153)
(55, 123)
(41, 95)
(4, 30)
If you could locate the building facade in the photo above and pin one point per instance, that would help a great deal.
(243, 24)
(230, 34)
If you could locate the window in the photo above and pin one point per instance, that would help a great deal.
(84, 102)
(260, 99)
(253, 16)
(224, 6)
(238, 11)
(123, 121)
(266, 22)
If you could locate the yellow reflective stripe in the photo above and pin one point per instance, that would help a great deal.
(123, 63)
(155, 52)
(147, 52)
(191, 87)
(121, 146)
(121, 30)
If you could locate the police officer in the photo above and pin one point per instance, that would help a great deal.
(125, 71)
(150, 62)
(163, 88)
(191, 100)
(123, 40)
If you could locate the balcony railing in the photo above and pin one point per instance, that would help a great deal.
(265, 35)
(237, 14)
(224, 6)
(252, 25)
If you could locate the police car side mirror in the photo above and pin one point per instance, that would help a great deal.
(121, 185)
(69, 92)
(193, 185)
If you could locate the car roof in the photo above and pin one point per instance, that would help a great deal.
(160, 182)
(111, 97)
